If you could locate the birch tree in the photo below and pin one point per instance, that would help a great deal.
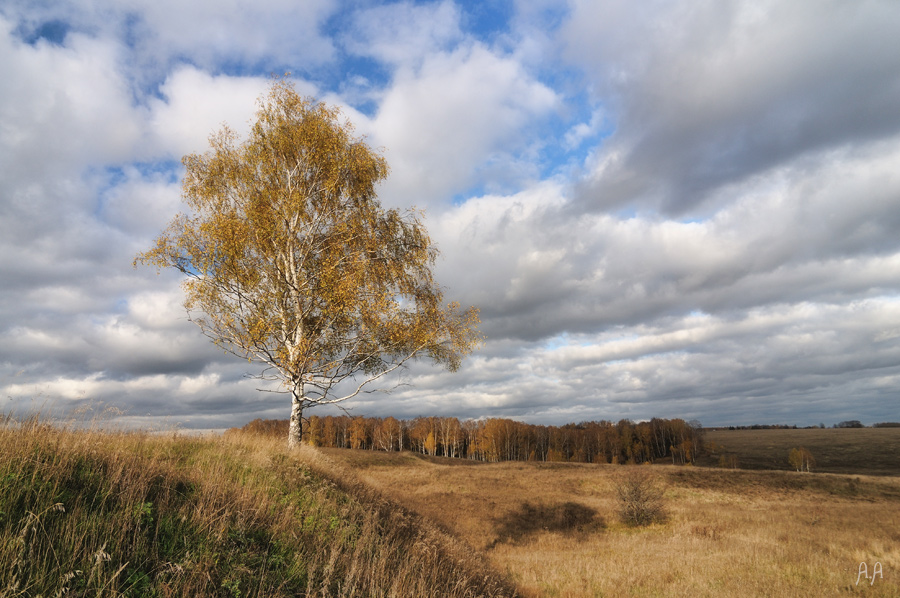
(291, 261)
(801, 459)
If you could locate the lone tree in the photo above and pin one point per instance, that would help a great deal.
(292, 262)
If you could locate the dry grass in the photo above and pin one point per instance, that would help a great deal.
(728, 533)
(90, 513)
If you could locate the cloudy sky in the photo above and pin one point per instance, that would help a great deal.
(663, 208)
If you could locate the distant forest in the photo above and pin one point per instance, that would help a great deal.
(503, 439)
(852, 423)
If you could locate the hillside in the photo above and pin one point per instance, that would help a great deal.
(89, 513)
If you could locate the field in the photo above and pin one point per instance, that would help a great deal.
(874, 451)
(94, 513)
(554, 527)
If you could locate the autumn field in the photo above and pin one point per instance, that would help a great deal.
(554, 527)
(87, 512)
(874, 451)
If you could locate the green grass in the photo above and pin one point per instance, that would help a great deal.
(89, 513)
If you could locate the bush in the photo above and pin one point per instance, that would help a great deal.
(640, 498)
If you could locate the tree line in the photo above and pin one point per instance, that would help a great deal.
(850, 423)
(498, 439)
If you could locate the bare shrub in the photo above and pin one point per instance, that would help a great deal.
(640, 498)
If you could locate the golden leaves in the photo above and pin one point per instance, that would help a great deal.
(293, 261)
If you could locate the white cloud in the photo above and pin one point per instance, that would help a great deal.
(214, 35)
(195, 104)
(196, 384)
(157, 310)
(209, 31)
(403, 34)
(63, 108)
(731, 251)
(141, 204)
(456, 122)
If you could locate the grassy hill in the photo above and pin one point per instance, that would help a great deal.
(89, 513)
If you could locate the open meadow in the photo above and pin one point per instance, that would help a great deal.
(554, 527)
(874, 451)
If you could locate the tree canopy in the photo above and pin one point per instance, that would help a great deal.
(292, 262)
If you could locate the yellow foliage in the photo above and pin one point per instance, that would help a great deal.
(291, 260)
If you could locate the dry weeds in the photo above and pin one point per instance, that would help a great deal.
(91, 513)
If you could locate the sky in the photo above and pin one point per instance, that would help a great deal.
(679, 209)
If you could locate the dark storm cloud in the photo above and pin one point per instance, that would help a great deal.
(710, 93)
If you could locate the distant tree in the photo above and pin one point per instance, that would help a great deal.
(359, 433)
(292, 262)
(314, 431)
(418, 432)
(728, 461)
(330, 433)
(850, 423)
(430, 444)
(801, 459)
(266, 427)
(450, 435)
(389, 434)
(471, 430)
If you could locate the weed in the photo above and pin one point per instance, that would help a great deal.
(640, 497)
(170, 516)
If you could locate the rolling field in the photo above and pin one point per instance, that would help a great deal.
(555, 528)
(874, 451)
(87, 512)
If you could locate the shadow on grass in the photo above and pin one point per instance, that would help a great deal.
(568, 518)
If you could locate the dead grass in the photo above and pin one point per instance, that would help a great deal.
(728, 532)
(91, 513)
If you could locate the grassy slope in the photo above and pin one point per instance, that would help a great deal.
(101, 514)
(729, 533)
(865, 451)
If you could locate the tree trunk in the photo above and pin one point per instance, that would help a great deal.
(295, 432)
